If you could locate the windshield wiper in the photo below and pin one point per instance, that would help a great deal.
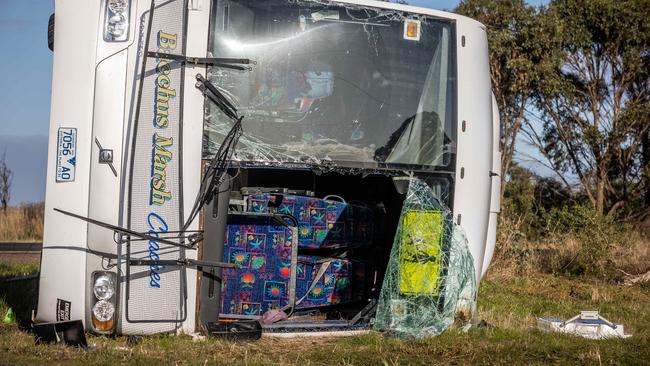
(215, 173)
(228, 63)
(211, 92)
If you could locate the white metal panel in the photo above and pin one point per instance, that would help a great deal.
(155, 297)
(63, 270)
(495, 199)
(490, 243)
(474, 149)
(495, 202)
(104, 190)
(110, 117)
(197, 40)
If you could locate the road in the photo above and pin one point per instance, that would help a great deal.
(20, 247)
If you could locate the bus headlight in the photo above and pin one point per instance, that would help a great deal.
(116, 25)
(103, 305)
(103, 311)
(104, 287)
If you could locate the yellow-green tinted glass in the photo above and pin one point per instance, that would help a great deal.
(422, 233)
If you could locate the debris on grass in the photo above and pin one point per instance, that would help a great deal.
(587, 324)
(636, 279)
(10, 317)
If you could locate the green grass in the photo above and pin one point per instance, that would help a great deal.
(19, 295)
(15, 270)
(479, 347)
(510, 306)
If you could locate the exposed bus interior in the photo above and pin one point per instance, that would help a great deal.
(376, 193)
(381, 195)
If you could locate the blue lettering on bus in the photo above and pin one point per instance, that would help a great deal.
(157, 225)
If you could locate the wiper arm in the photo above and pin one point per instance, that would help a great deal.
(229, 63)
(131, 233)
(211, 91)
(215, 174)
(181, 262)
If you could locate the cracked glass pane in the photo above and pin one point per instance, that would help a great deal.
(429, 283)
(336, 84)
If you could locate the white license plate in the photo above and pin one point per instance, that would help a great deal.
(66, 154)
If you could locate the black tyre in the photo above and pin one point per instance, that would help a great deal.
(50, 33)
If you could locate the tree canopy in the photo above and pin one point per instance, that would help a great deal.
(594, 103)
(572, 78)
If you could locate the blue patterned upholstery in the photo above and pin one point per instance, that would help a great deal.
(323, 223)
(341, 283)
(264, 249)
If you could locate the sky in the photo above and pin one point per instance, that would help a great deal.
(25, 88)
(25, 81)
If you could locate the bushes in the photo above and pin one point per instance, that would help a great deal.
(543, 227)
(572, 240)
(585, 242)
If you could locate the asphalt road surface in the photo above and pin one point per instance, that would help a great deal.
(20, 247)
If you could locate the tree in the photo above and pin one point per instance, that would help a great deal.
(594, 102)
(640, 90)
(517, 44)
(5, 183)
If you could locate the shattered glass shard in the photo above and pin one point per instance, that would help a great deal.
(429, 284)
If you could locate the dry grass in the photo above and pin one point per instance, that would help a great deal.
(559, 256)
(22, 223)
(598, 250)
(633, 258)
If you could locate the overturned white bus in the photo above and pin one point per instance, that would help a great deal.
(219, 159)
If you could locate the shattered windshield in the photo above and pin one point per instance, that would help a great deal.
(332, 83)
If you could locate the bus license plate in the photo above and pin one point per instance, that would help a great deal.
(66, 155)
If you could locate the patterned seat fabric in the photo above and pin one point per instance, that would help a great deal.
(323, 223)
(343, 282)
(263, 248)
